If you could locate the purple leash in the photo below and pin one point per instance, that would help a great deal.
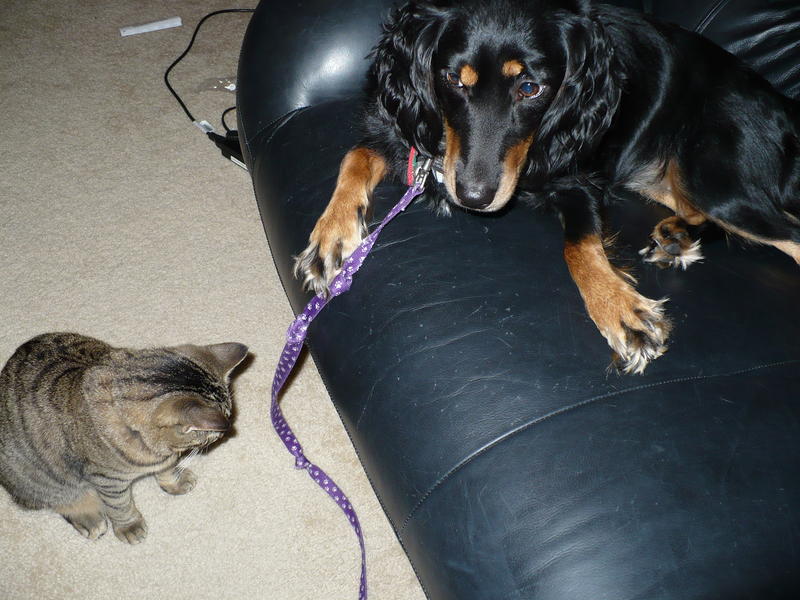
(296, 336)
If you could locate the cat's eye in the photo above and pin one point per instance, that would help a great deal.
(529, 89)
(453, 79)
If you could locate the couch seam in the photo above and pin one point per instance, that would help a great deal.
(577, 405)
(710, 15)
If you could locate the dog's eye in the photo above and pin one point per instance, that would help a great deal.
(528, 89)
(453, 79)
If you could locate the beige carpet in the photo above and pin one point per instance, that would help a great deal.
(118, 219)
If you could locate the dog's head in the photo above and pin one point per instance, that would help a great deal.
(498, 87)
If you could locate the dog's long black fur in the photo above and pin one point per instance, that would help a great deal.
(565, 101)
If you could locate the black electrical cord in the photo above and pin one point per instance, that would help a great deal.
(229, 143)
(225, 112)
(189, 47)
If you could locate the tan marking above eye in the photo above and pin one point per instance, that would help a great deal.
(512, 68)
(469, 76)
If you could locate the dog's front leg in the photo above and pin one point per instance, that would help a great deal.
(343, 224)
(634, 326)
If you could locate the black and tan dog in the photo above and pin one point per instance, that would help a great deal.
(564, 101)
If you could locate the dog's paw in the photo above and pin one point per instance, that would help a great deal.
(671, 245)
(333, 239)
(635, 327)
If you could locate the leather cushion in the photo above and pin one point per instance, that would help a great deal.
(474, 389)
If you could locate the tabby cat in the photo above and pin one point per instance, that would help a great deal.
(80, 421)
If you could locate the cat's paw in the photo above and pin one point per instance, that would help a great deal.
(132, 533)
(86, 515)
(178, 484)
(92, 526)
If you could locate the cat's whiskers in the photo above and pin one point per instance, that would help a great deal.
(186, 460)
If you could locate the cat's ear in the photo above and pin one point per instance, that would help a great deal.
(190, 415)
(228, 355)
(220, 358)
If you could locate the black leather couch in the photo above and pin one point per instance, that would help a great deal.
(474, 387)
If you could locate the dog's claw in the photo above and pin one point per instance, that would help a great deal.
(310, 269)
(331, 242)
(671, 246)
(639, 337)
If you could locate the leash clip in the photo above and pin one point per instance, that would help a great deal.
(421, 173)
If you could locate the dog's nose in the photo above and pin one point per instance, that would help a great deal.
(475, 195)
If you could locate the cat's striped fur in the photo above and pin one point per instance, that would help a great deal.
(80, 421)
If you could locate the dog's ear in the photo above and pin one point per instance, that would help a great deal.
(587, 99)
(402, 73)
